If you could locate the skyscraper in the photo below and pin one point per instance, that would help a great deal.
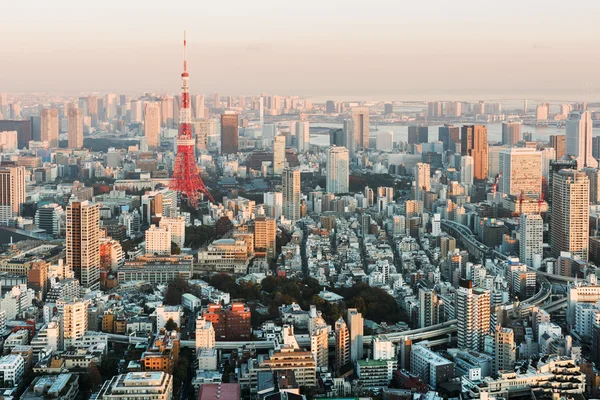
(521, 170)
(511, 133)
(74, 321)
(429, 312)
(558, 142)
(466, 170)
(278, 154)
(473, 315)
(330, 107)
(504, 349)
(593, 175)
(360, 123)
(49, 127)
(531, 238)
(203, 129)
(83, 242)
(75, 128)
(291, 193)
(342, 344)
(12, 192)
(198, 106)
(152, 124)
(474, 143)
(422, 175)
(418, 134)
(217, 100)
(166, 112)
(355, 328)
(384, 141)
(449, 135)
(303, 135)
(579, 138)
(569, 230)
(338, 170)
(229, 133)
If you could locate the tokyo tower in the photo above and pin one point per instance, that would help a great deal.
(186, 176)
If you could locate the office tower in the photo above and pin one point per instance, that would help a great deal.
(75, 128)
(449, 135)
(186, 175)
(12, 192)
(429, 310)
(74, 321)
(384, 141)
(511, 133)
(291, 193)
(569, 230)
(474, 143)
(176, 226)
(330, 107)
(205, 334)
(338, 170)
(593, 175)
(559, 143)
(152, 124)
(342, 344)
(388, 108)
(83, 243)
(360, 124)
(302, 135)
(198, 106)
(596, 147)
(217, 100)
(111, 106)
(49, 218)
(521, 170)
(135, 111)
(466, 170)
(166, 111)
(355, 328)
(473, 315)
(229, 133)
(204, 128)
(278, 154)
(265, 235)
(434, 109)
(158, 241)
(15, 111)
(579, 139)
(422, 175)
(49, 127)
(504, 349)
(531, 238)
(418, 134)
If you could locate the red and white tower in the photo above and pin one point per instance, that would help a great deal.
(186, 176)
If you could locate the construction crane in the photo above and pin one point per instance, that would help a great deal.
(495, 184)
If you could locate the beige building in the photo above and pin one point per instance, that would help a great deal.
(301, 362)
(319, 346)
(203, 129)
(504, 349)
(570, 213)
(338, 170)
(291, 194)
(152, 124)
(474, 143)
(83, 242)
(138, 385)
(224, 255)
(265, 236)
(521, 170)
(158, 241)
(422, 175)
(205, 334)
(278, 154)
(49, 126)
(75, 130)
(473, 315)
(355, 329)
(176, 226)
(360, 126)
(12, 192)
(74, 320)
(342, 344)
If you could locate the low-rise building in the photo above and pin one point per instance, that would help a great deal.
(133, 385)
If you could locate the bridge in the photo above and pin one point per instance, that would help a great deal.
(556, 305)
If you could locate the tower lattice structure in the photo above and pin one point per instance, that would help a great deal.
(186, 175)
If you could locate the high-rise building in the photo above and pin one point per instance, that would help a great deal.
(569, 230)
(511, 133)
(265, 236)
(466, 170)
(278, 154)
(541, 112)
(291, 193)
(198, 106)
(319, 345)
(49, 127)
(166, 111)
(531, 238)
(330, 107)
(418, 134)
(521, 170)
(302, 135)
(158, 241)
(388, 108)
(504, 349)
(12, 192)
(579, 138)
(360, 123)
(422, 175)
(355, 328)
(338, 170)
(204, 128)
(384, 141)
(593, 175)
(176, 226)
(449, 135)
(229, 133)
(152, 124)
(342, 344)
(429, 307)
(83, 242)
(474, 143)
(217, 100)
(473, 315)
(205, 334)
(74, 321)
(75, 128)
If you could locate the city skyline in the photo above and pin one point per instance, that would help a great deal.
(270, 43)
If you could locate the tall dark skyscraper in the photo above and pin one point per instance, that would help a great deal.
(330, 107)
(24, 130)
(449, 135)
(559, 143)
(474, 143)
(388, 108)
(229, 133)
(418, 134)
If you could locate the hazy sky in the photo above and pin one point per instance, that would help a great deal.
(368, 48)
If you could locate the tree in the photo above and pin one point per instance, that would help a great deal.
(175, 248)
(171, 325)
(95, 376)
(174, 291)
